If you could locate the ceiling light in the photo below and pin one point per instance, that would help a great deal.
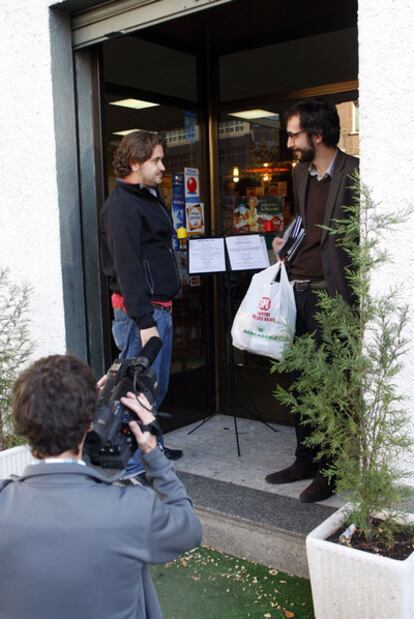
(134, 104)
(252, 114)
(125, 132)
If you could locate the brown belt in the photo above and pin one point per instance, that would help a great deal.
(302, 285)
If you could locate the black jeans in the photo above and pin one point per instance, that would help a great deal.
(306, 308)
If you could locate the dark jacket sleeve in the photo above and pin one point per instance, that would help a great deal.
(123, 228)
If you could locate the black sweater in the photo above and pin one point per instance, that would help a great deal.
(136, 250)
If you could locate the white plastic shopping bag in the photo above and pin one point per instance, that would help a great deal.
(265, 321)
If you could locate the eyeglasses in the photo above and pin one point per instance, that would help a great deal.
(292, 136)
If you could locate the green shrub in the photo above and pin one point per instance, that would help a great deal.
(347, 386)
(15, 348)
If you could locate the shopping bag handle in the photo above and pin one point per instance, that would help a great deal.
(279, 272)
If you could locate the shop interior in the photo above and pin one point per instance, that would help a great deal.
(216, 84)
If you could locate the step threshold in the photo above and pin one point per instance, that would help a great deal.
(253, 524)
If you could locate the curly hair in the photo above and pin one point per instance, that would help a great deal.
(317, 117)
(136, 146)
(54, 402)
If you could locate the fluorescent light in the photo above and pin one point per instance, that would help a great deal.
(135, 104)
(252, 114)
(125, 132)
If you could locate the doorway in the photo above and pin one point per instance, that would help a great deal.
(216, 84)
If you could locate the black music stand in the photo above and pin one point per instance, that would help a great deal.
(230, 262)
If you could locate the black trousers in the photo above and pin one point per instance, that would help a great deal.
(306, 308)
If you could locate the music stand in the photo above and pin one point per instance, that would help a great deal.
(232, 253)
(207, 256)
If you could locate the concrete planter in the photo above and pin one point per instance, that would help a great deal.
(13, 461)
(348, 583)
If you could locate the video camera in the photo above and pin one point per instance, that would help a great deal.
(111, 442)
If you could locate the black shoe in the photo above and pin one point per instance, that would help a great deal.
(319, 490)
(173, 454)
(300, 469)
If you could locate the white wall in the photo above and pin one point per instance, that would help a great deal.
(386, 47)
(29, 218)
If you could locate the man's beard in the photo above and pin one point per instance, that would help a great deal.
(305, 155)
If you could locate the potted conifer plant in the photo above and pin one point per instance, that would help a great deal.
(347, 391)
(15, 349)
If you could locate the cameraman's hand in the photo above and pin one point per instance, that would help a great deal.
(146, 441)
(102, 382)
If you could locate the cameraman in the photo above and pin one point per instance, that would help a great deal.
(75, 545)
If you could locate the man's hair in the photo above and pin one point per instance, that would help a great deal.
(135, 147)
(317, 117)
(54, 403)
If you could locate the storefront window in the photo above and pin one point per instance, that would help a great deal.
(256, 190)
(254, 176)
(349, 117)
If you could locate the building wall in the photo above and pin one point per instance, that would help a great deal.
(29, 217)
(386, 47)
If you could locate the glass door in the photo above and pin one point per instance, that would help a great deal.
(190, 392)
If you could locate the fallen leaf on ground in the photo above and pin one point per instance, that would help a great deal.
(196, 578)
(184, 562)
(289, 614)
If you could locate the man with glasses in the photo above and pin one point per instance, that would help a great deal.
(322, 186)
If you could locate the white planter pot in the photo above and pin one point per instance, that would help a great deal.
(348, 583)
(13, 461)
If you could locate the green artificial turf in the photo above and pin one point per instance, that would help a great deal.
(206, 584)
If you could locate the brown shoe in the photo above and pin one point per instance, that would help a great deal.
(319, 490)
(300, 469)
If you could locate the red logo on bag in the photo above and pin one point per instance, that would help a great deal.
(265, 303)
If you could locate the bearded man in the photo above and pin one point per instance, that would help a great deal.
(323, 185)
